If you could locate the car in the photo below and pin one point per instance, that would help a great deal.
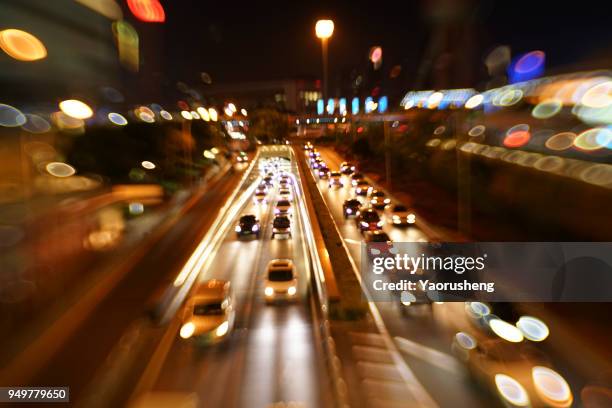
(242, 157)
(209, 314)
(283, 207)
(281, 225)
(281, 282)
(285, 194)
(308, 146)
(323, 172)
(347, 168)
(335, 179)
(317, 162)
(350, 208)
(362, 188)
(247, 225)
(400, 216)
(378, 200)
(356, 177)
(380, 242)
(368, 220)
(377, 236)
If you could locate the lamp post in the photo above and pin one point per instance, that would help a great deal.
(324, 30)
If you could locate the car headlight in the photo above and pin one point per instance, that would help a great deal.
(349, 211)
(396, 217)
(374, 201)
(364, 224)
(291, 291)
(359, 190)
(222, 329)
(411, 218)
(255, 228)
(276, 211)
(238, 229)
(269, 291)
(379, 224)
(187, 330)
(387, 200)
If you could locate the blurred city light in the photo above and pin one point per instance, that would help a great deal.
(76, 109)
(320, 107)
(511, 390)
(213, 114)
(342, 106)
(355, 106)
(145, 114)
(551, 387)
(35, 124)
(506, 330)
(186, 115)
(208, 154)
(533, 329)
(22, 45)
(149, 11)
(369, 104)
(547, 108)
(376, 56)
(383, 104)
(127, 44)
(203, 112)
(148, 165)
(10, 116)
(324, 28)
(232, 107)
(117, 119)
(527, 66)
(244, 112)
(331, 105)
(165, 114)
(517, 136)
(59, 169)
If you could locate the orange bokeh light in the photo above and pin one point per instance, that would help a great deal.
(22, 45)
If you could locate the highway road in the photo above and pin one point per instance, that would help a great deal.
(271, 356)
(424, 340)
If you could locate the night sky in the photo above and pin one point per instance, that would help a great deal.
(274, 40)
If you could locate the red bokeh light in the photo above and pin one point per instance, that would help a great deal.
(517, 139)
(150, 11)
(359, 129)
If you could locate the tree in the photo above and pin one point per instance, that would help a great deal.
(268, 125)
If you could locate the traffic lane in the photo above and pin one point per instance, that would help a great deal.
(190, 368)
(257, 366)
(281, 338)
(127, 302)
(420, 326)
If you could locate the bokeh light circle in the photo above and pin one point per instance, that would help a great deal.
(506, 330)
(551, 387)
(477, 130)
(532, 328)
(36, 124)
(511, 390)
(517, 136)
(22, 45)
(117, 119)
(594, 139)
(547, 108)
(560, 141)
(59, 169)
(474, 101)
(76, 109)
(10, 116)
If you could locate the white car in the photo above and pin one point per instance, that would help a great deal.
(281, 282)
(283, 207)
(399, 215)
(209, 313)
(335, 179)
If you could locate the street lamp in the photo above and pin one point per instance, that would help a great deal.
(324, 30)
